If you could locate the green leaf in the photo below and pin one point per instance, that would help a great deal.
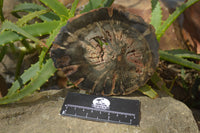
(184, 54)
(28, 7)
(31, 7)
(147, 90)
(50, 41)
(156, 14)
(94, 4)
(58, 8)
(29, 17)
(73, 9)
(178, 60)
(24, 78)
(173, 17)
(156, 80)
(108, 3)
(1, 11)
(39, 29)
(56, 31)
(19, 63)
(37, 81)
(7, 25)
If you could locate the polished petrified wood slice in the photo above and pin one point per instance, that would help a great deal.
(107, 51)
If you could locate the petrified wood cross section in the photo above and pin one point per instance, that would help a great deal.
(106, 51)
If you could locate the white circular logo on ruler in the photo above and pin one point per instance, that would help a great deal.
(101, 103)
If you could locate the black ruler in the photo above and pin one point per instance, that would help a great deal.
(99, 108)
